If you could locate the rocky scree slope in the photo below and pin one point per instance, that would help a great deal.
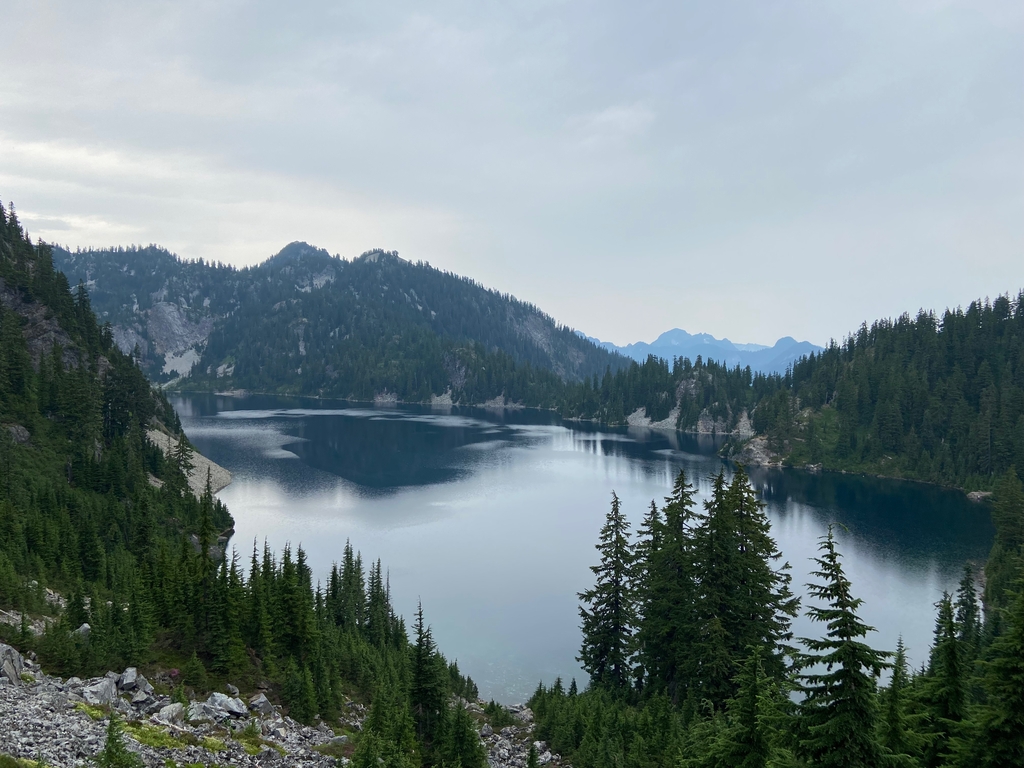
(61, 723)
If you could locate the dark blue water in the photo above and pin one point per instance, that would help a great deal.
(490, 517)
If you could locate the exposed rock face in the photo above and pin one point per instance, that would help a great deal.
(220, 478)
(756, 453)
(40, 332)
(172, 332)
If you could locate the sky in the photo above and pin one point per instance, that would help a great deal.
(746, 169)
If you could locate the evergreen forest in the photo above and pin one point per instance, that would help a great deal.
(933, 397)
(692, 661)
(687, 630)
(92, 510)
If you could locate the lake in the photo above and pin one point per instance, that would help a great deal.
(490, 518)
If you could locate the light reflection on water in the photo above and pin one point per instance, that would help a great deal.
(491, 518)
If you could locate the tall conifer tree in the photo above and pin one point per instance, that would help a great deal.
(838, 715)
(608, 612)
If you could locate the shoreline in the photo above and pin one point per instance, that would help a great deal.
(975, 496)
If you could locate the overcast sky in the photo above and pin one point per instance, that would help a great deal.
(750, 170)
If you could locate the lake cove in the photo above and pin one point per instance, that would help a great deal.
(490, 518)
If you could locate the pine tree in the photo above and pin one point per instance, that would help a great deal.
(968, 616)
(945, 684)
(838, 714)
(115, 754)
(898, 735)
(608, 611)
(428, 690)
(995, 736)
(754, 718)
(668, 595)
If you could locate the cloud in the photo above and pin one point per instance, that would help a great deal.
(719, 167)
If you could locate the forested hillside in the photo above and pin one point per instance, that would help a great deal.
(98, 515)
(937, 398)
(686, 637)
(305, 322)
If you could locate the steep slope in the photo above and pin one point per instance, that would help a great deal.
(412, 329)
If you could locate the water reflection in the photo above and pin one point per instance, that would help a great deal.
(491, 517)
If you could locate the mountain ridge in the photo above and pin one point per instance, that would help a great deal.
(677, 342)
(184, 319)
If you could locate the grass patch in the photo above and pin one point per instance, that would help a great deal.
(96, 713)
(154, 736)
(6, 761)
(212, 744)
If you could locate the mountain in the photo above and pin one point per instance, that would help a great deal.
(306, 322)
(109, 560)
(679, 343)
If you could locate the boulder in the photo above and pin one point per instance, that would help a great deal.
(232, 690)
(142, 684)
(100, 693)
(83, 631)
(173, 714)
(260, 703)
(486, 730)
(140, 698)
(200, 711)
(232, 706)
(129, 679)
(11, 664)
(339, 740)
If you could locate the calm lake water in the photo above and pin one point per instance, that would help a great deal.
(491, 518)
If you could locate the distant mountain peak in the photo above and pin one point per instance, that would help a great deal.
(296, 251)
(680, 343)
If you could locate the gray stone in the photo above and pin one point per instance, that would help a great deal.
(100, 693)
(173, 714)
(140, 698)
(199, 711)
(129, 679)
(83, 631)
(260, 703)
(339, 740)
(143, 684)
(232, 706)
(486, 730)
(11, 664)
(232, 690)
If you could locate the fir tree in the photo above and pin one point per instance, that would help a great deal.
(428, 690)
(839, 710)
(667, 598)
(754, 718)
(995, 734)
(608, 612)
(945, 684)
(115, 754)
(898, 735)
